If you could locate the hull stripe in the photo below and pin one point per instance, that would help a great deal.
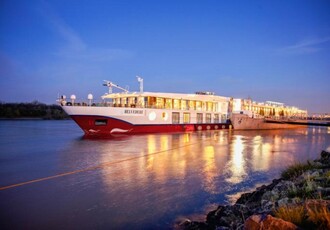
(116, 126)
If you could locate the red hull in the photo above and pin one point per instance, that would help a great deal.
(111, 126)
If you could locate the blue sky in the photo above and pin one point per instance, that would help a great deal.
(266, 50)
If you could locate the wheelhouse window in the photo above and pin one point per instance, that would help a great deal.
(100, 122)
(208, 118)
(199, 118)
(186, 118)
(175, 118)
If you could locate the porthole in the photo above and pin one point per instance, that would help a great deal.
(152, 116)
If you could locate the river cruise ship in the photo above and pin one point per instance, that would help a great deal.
(147, 112)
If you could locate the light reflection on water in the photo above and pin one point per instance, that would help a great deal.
(143, 181)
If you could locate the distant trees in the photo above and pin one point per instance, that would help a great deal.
(34, 109)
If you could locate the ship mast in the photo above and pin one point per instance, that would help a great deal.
(140, 80)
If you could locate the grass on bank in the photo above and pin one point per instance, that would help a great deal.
(294, 214)
(319, 216)
(305, 217)
(297, 169)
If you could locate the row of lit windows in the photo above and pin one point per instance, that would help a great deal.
(165, 103)
(266, 111)
(186, 118)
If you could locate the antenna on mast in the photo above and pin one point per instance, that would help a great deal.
(140, 80)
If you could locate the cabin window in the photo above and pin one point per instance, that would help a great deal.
(146, 104)
(152, 102)
(198, 105)
(176, 104)
(131, 102)
(192, 105)
(184, 105)
(216, 118)
(160, 103)
(99, 122)
(215, 107)
(175, 118)
(117, 102)
(123, 102)
(168, 103)
(223, 118)
(199, 118)
(186, 117)
(209, 106)
(208, 118)
(140, 102)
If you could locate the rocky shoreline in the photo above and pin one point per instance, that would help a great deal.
(300, 199)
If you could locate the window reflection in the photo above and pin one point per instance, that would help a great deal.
(213, 162)
(210, 169)
(236, 165)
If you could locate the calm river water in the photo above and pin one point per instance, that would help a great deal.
(63, 181)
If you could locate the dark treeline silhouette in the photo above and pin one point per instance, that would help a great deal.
(34, 109)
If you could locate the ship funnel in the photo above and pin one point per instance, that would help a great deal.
(140, 80)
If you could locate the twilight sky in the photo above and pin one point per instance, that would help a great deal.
(266, 50)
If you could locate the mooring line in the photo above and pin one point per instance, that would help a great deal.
(103, 165)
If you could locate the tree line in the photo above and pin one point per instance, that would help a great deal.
(33, 109)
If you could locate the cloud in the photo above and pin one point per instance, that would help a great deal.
(60, 27)
(75, 47)
(95, 54)
(305, 46)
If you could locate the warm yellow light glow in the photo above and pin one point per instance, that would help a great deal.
(164, 142)
(237, 106)
(236, 165)
(186, 137)
(210, 170)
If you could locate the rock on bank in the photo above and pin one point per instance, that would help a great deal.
(300, 199)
